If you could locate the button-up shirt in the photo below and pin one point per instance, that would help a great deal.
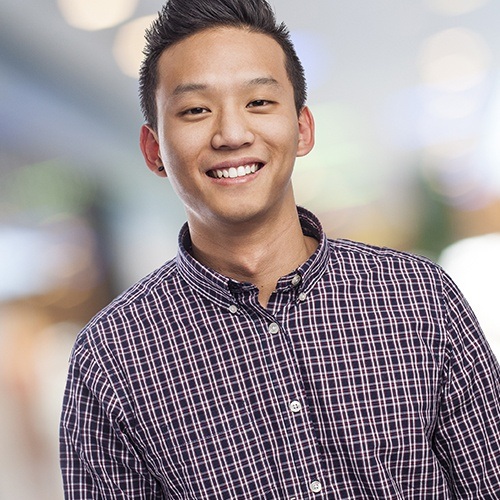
(366, 377)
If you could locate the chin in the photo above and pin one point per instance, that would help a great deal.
(245, 215)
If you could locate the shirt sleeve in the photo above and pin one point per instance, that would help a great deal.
(467, 436)
(98, 460)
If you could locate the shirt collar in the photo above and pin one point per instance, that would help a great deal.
(220, 289)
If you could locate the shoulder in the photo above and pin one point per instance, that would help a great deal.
(355, 255)
(125, 313)
(388, 274)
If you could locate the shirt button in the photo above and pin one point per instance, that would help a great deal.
(295, 407)
(273, 328)
(233, 309)
(315, 486)
(296, 280)
(302, 297)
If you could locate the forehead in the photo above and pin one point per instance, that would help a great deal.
(222, 55)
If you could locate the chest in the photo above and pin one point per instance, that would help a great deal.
(250, 390)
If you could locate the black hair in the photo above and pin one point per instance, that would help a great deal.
(180, 19)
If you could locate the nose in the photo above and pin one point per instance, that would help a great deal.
(232, 130)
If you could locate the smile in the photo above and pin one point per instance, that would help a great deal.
(234, 172)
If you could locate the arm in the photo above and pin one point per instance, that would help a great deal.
(98, 461)
(467, 437)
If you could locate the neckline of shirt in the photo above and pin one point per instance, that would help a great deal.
(221, 289)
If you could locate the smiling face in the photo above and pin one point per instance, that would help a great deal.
(228, 131)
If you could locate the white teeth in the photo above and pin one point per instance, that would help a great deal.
(234, 172)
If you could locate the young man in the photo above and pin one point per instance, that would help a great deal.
(265, 361)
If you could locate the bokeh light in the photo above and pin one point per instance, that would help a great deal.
(474, 264)
(455, 59)
(455, 7)
(96, 14)
(128, 45)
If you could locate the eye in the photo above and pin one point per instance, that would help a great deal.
(195, 111)
(258, 103)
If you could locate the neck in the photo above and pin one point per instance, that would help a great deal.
(256, 252)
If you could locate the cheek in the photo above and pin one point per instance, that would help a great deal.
(176, 152)
(283, 132)
(184, 145)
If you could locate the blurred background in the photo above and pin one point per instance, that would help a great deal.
(406, 95)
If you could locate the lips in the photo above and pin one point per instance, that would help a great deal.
(234, 172)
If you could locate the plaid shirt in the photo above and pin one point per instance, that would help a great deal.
(367, 377)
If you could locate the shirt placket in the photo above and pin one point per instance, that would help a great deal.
(298, 434)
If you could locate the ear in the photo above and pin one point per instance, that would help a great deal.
(306, 132)
(150, 148)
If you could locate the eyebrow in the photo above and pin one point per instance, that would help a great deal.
(186, 88)
(263, 80)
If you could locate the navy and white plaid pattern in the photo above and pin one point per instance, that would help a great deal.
(367, 377)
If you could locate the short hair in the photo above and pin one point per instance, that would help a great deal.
(180, 19)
